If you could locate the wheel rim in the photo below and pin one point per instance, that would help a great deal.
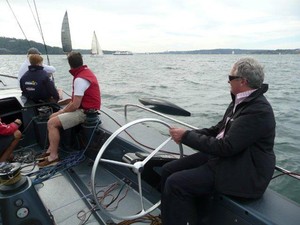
(137, 167)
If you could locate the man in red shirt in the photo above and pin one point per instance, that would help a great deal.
(9, 138)
(85, 96)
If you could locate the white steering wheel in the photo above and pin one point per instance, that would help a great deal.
(137, 167)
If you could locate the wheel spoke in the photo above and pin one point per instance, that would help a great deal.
(117, 163)
(156, 150)
(141, 191)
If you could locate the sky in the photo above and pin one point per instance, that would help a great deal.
(158, 25)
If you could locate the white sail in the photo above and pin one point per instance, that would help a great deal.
(96, 49)
(66, 35)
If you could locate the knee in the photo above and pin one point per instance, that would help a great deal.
(172, 185)
(53, 123)
(165, 172)
(167, 169)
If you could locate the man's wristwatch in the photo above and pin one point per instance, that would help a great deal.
(17, 123)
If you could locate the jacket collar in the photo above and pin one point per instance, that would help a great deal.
(260, 91)
(35, 67)
(75, 71)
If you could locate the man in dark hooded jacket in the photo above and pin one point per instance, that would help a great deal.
(235, 156)
(36, 84)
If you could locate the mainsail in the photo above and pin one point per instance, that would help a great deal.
(65, 34)
(96, 49)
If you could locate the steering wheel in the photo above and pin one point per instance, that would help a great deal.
(137, 167)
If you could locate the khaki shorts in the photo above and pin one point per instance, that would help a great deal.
(71, 119)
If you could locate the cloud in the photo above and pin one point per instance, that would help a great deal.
(156, 25)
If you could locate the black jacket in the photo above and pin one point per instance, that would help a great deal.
(244, 160)
(37, 86)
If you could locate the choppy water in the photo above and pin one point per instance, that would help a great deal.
(197, 83)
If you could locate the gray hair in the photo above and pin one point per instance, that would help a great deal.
(251, 70)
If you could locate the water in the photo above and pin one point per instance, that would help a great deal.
(197, 83)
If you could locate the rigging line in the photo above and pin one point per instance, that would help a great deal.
(9, 76)
(64, 92)
(42, 34)
(36, 23)
(41, 31)
(18, 22)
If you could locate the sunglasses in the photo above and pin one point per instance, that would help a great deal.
(230, 77)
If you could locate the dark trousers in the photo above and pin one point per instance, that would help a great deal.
(184, 183)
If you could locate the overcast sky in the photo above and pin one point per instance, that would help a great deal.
(159, 25)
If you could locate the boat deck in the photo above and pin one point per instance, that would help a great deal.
(70, 201)
(67, 195)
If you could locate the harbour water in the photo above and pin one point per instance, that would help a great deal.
(197, 83)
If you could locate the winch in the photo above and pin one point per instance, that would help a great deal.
(45, 112)
(20, 203)
(9, 174)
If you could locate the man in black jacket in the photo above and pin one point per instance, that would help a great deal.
(235, 156)
(36, 84)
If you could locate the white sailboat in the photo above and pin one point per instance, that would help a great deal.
(96, 49)
(66, 35)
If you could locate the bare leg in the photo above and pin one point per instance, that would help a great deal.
(54, 126)
(11, 147)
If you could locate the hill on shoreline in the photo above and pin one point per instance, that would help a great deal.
(13, 46)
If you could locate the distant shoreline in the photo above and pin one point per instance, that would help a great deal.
(236, 52)
(13, 46)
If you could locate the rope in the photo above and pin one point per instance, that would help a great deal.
(67, 93)
(9, 76)
(292, 174)
(107, 192)
(152, 220)
(46, 173)
(18, 23)
(38, 24)
(72, 160)
(41, 32)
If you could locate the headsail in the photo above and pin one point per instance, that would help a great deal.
(96, 49)
(66, 35)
